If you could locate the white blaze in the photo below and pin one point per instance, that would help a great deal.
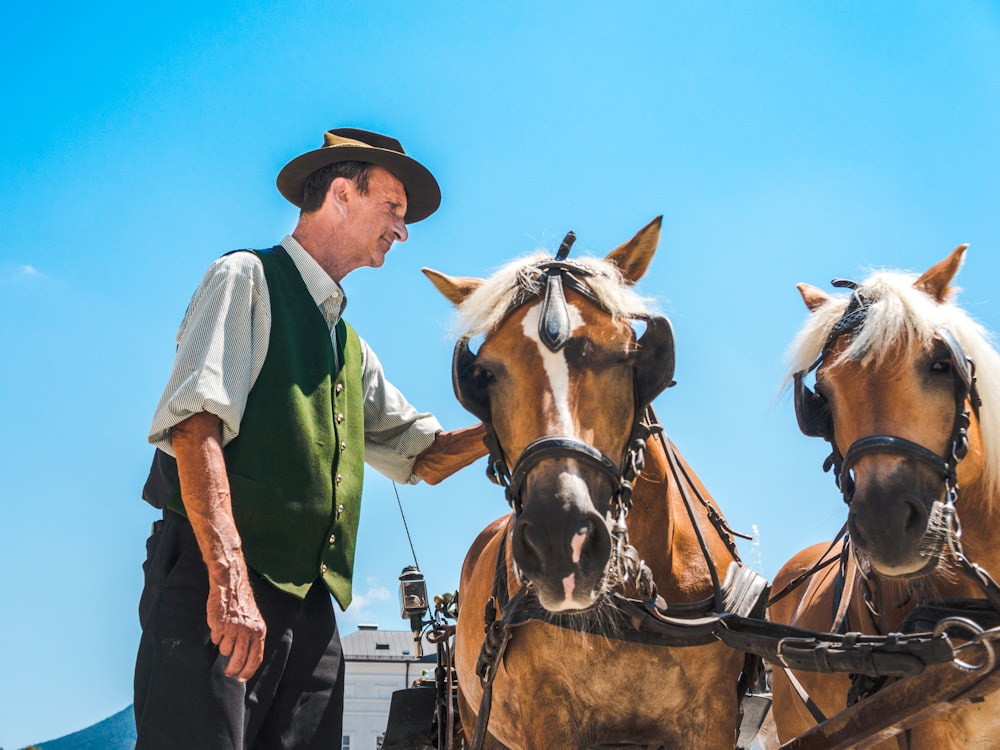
(559, 418)
(556, 369)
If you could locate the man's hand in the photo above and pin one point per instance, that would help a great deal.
(234, 621)
(236, 625)
(450, 452)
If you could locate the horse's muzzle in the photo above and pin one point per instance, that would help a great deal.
(560, 542)
(891, 520)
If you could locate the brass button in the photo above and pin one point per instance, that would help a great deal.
(343, 447)
(322, 568)
(333, 538)
(340, 510)
(339, 388)
(340, 478)
(340, 418)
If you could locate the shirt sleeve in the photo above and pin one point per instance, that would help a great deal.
(221, 346)
(395, 432)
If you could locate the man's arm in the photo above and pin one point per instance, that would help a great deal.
(450, 452)
(236, 625)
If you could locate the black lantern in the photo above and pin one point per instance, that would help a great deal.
(413, 603)
(412, 593)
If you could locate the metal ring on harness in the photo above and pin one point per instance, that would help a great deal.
(977, 639)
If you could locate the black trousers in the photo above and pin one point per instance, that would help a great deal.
(183, 699)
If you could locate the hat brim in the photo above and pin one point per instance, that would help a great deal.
(423, 195)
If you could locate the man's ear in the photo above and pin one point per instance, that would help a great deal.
(340, 193)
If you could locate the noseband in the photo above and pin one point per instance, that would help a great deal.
(652, 373)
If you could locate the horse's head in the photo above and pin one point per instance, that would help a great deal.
(896, 396)
(559, 380)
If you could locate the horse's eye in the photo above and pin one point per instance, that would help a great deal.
(482, 377)
(941, 366)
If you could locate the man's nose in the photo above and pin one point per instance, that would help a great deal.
(401, 231)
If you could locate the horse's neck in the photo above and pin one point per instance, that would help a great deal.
(660, 528)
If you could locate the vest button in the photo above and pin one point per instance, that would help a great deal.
(340, 478)
(322, 568)
(339, 388)
(333, 539)
(340, 509)
(340, 418)
(343, 447)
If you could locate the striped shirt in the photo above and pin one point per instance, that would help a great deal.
(222, 343)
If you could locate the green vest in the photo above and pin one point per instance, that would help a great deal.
(296, 468)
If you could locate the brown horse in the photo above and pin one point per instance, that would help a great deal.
(561, 379)
(913, 425)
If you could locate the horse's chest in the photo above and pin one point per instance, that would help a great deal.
(608, 693)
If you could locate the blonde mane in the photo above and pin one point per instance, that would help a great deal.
(902, 314)
(484, 309)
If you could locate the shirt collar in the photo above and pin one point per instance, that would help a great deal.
(319, 283)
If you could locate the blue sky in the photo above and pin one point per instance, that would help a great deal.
(782, 142)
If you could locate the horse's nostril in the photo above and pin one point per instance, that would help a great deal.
(525, 551)
(579, 540)
(915, 520)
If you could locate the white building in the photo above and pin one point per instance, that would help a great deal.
(378, 662)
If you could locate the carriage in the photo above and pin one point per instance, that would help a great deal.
(615, 563)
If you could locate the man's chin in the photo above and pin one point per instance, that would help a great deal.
(378, 258)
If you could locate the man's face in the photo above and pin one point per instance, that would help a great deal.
(375, 219)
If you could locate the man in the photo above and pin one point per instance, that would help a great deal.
(273, 404)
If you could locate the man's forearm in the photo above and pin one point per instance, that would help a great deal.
(201, 467)
(234, 621)
(450, 452)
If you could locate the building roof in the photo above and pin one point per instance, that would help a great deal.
(371, 644)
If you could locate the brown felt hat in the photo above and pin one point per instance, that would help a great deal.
(423, 196)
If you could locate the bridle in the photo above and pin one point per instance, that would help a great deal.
(652, 373)
(815, 419)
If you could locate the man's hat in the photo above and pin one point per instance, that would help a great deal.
(423, 196)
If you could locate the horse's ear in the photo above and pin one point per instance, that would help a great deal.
(455, 288)
(633, 257)
(812, 296)
(935, 281)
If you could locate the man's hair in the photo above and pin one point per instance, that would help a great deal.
(318, 183)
